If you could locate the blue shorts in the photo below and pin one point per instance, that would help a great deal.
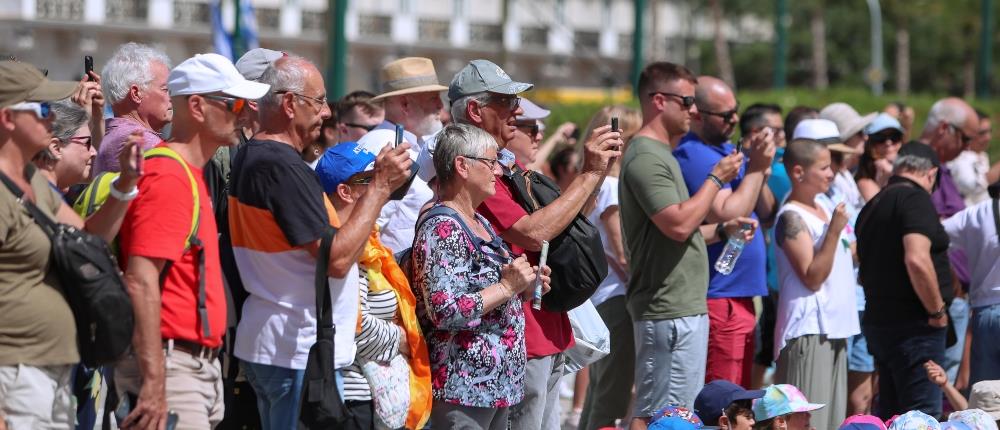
(858, 357)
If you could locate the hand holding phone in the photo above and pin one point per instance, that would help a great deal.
(88, 66)
(614, 124)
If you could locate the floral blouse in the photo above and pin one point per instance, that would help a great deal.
(477, 359)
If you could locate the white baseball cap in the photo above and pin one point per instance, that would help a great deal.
(823, 131)
(209, 73)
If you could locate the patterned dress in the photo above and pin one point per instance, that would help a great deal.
(477, 359)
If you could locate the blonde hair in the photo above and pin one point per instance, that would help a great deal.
(629, 121)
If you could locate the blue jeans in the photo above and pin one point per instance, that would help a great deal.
(985, 354)
(279, 393)
(958, 315)
(900, 351)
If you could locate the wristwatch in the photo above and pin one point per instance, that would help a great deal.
(720, 231)
(939, 314)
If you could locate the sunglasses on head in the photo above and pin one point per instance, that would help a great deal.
(41, 109)
(235, 105)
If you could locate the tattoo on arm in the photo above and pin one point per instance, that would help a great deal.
(790, 224)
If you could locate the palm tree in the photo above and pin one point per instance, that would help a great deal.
(722, 57)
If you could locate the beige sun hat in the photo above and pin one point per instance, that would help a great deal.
(409, 75)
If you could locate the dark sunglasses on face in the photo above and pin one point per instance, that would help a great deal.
(510, 103)
(234, 104)
(361, 126)
(878, 138)
(686, 101)
(531, 129)
(726, 116)
(966, 139)
(362, 180)
(42, 110)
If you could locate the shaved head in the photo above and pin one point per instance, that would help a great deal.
(717, 110)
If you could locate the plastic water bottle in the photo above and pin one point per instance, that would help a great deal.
(734, 247)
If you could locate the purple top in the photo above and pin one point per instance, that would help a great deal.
(116, 133)
(948, 201)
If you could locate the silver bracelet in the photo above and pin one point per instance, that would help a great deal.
(133, 193)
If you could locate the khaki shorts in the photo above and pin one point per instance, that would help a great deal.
(194, 387)
(37, 397)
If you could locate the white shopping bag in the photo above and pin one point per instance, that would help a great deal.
(591, 335)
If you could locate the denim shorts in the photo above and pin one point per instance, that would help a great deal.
(669, 362)
(858, 357)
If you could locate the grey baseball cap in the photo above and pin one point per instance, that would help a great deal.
(481, 76)
(253, 64)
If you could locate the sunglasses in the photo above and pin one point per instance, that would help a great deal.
(363, 180)
(234, 105)
(86, 141)
(879, 138)
(686, 101)
(43, 110)
(511, 103)
(531, 129)
(361, 126)
(966, 139)
(726, 116)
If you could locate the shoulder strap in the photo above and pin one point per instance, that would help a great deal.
(163, 151)
(48, 225)
(324, 306)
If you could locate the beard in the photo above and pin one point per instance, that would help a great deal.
(429, 125)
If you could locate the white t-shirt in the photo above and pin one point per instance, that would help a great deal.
(398, 218)
(607, 197)
(974, 231)
(968, 171)
(831, 310)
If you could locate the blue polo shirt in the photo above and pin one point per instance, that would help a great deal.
(749, 277)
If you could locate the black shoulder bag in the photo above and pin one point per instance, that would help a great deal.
(322, 407)
(91, 282)
(576, 255)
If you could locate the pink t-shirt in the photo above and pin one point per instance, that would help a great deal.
(116, 133)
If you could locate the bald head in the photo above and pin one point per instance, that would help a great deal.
(717, 107)
(951, 125)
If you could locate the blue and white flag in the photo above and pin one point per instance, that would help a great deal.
(228, 38)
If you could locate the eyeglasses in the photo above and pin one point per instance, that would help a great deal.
(364, 180)
(86, 141)
(491, 162)
(878, 138)
(531, 129)
(235, 105)
(726, 116)
(686, 101)
(966, 139)
(41, 109)
(511, 103)
(320, 100)
(361, 126)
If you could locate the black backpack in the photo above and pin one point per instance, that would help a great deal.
(92, 283)
(576, 255)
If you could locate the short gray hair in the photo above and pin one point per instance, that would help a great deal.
(286, 74)
(911, 164)
(947, 111)
(459, 140)
(130, 65)
(459, 108)
(69, 117)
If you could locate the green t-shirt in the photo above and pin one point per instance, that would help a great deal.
(36, 323)
(668, 279)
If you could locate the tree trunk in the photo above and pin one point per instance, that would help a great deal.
(722, 58)
(818, 28)
(902, 61)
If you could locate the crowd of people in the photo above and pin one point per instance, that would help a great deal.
(864, 273)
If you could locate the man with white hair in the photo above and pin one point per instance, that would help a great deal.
(135, 84)
(411, 96)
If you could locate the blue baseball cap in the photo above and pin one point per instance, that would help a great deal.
(882, 122)
(342, 161)
(672, 423)
(717, 395)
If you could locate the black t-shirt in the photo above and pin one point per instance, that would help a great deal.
(903, 207)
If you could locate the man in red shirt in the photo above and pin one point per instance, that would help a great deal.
(175, 281)
(484, 96)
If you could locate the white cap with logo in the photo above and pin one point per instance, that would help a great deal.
(210, 73)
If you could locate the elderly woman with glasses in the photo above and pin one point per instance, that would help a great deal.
(469, 290)
(70, 154)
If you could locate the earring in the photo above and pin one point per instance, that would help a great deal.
(799, 179)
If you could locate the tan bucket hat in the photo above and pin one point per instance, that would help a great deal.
(22, 82)
(409, 75)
